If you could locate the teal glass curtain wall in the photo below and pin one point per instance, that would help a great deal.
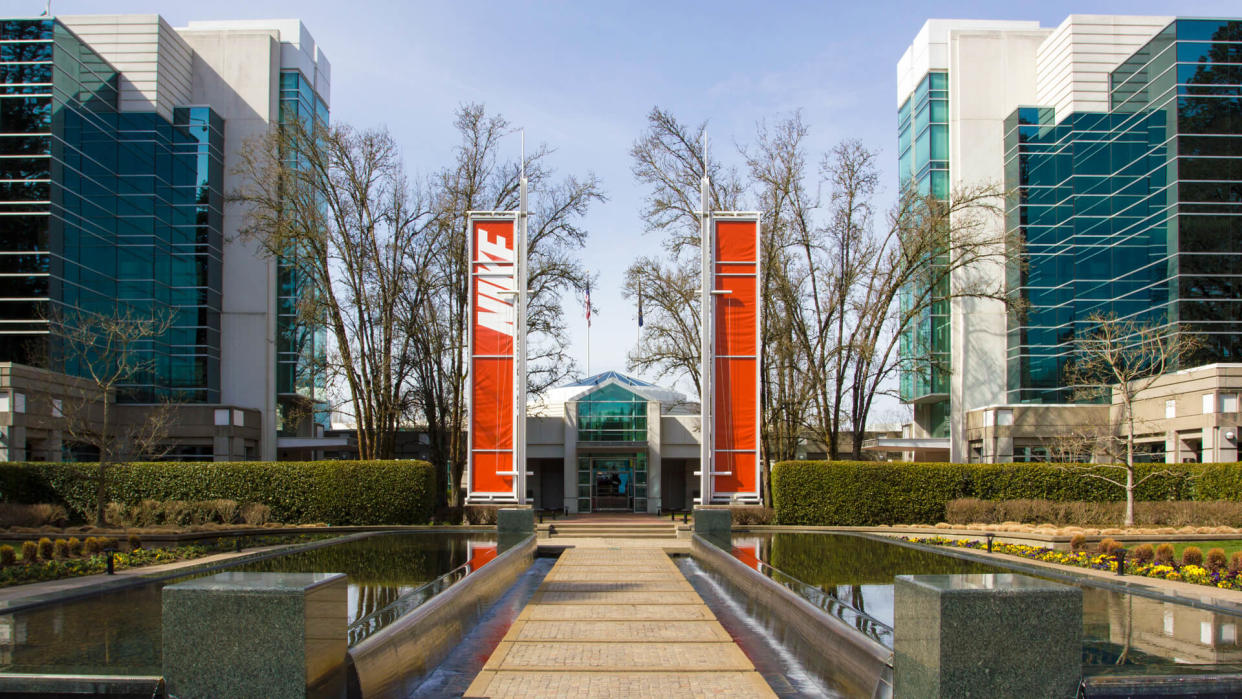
(612, 414)
(300, 345)
(1137, 211)
(103, 210)
(923, 165)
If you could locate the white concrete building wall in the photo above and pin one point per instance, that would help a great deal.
(237, 67)
(238, 74)
(1074, 62)
(991, 73)
(930, 48)
(154, 61)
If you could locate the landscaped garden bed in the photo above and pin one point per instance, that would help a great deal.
(49, 559)
(1216, 569)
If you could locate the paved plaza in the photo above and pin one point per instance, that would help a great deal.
(613, 621)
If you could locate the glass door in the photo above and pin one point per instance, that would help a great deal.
(612, 483)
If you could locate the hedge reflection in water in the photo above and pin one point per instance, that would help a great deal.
(121, 632)
(851, 570)
(1118, 629)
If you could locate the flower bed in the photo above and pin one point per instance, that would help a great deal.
(1223, 578)
(55, 569)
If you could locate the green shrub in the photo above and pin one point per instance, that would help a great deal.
(1216, 559)
(1143, 553)
(60, 548)
(135, 542)
(256, 514)
(1164, 554)
(176, 512)
(335, 492)
(46, 548)
(115, 514)
(1107, 547)
(1078, 542)
(224, 511)
(75, 546)
(91, 546)
(30, 552)
(868, 493)
(8, 555)
(1168, 513)
(1235, 562)
(750, 514)
(146, 513)
(1192, 556)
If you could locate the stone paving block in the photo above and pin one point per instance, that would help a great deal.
(618, 657)
(614, 622)
(588, 597)
(587, 573)
(617, 612)
(605, 685)
(621, 631)
(616, 586)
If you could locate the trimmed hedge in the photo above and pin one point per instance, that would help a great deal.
(870, 493)
(335, 492)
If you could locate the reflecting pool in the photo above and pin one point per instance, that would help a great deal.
(852, 577)
(120, 632)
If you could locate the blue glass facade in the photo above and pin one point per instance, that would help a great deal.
(102, 209)
(300, 345)
(923, 165)
(1137, 211)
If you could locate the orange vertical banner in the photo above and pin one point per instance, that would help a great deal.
(492, 346)
(735, 357)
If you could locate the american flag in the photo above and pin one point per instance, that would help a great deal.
(588, 303)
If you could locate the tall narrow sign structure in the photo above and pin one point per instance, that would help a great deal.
(496, 440)
(731, 344)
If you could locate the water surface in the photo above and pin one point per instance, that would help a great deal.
(120, 632)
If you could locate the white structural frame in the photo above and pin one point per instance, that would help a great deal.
(755, 497)
(519, 278)
(707, 346)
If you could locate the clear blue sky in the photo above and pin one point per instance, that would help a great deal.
(581, 76)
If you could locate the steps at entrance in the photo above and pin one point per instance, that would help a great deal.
(613, 527)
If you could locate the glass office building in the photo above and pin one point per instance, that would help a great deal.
(300, 344)
(612, 442)
(923, 166)
(120, 137)
(106, 211)
(1134, 211)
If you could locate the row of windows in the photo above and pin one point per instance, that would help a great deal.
(126, 207)
(1115, 218)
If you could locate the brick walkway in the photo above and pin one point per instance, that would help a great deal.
(617, 623)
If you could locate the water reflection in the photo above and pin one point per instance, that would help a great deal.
(121, 632)
(1118, 629)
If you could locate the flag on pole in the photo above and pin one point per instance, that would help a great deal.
(640, 304)
(588, 303)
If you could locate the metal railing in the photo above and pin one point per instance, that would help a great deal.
(405, 604)
(832, 605)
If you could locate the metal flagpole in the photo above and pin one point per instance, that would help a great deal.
(519, 433)
(588, 319)
(705, 319)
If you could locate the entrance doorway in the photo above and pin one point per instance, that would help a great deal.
(612, 484)
(612, 481)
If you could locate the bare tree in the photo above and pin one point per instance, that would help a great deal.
(1117, 360)
(111, 353)
(336, 206)
(481, 180)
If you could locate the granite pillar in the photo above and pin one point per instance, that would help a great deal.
(279, 635)
(986, 635)
(513, 525)
(715, 525)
